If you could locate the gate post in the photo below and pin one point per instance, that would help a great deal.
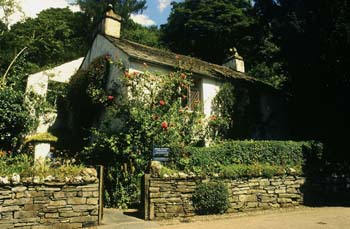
(145, 196)
(100, 194)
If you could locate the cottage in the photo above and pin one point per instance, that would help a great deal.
(208, 77)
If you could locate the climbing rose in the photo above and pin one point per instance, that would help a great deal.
(110, 97)
(213, 117)
(164, 125)
(162, 102)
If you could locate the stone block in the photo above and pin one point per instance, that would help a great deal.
(280, 190)
(69, 214)
(154, 189)
(175, 209)
(9, 209)
(76, 200)
(51, 215)
(19, 189)
(252, 204)
(247, 198)
(24, 214)
(93, 201)
(59, 195)
(83, 207)
(264, 182)
(58, 203)
(174, 200)
(284, 200)
(21, 201)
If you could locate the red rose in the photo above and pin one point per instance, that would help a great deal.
(162, 102)
(110, 97)
(213, 117)
(164, 125)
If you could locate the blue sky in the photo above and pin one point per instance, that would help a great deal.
(156, 13)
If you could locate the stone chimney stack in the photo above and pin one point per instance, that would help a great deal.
(110, 24)
(235, 61)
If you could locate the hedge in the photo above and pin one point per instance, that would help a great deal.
(279, 153)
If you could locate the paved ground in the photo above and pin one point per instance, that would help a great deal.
(114, 218)
(302, 218)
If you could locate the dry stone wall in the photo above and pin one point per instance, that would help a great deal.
(171, 197)
(50, 204)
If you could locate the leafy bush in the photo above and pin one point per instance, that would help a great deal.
(16, 119)
(207, 160)
(24, 165)
(235, 113)
(211, 198)
(256, 170)
(139, 111)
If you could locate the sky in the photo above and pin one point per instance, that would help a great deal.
(156, 13)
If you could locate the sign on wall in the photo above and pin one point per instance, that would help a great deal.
(160, 154)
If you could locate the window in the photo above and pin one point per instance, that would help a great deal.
(194, 94)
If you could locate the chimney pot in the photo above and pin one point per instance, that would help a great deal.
(110, 24)
(235, 61)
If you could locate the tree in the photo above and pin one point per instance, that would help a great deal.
(150, 36)
(313, 37)
(207, 29)
(8, 7)
(55, 36)
(94, 9)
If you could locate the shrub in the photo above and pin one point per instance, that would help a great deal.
(211, 198)
(281, 153)
(24, 165)
(256, 170)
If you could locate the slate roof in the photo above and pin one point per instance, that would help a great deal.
(156, 56)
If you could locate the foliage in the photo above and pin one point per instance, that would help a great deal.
(313, 41)
(8, 7)
(16, 119)
(256, 170)
(87, 97)
(55, 36)
(23, 165)
(56, 93)
(145, 110)
(150, 36)
(286, 154)
(211, 198)
(235, 113)
(207, 29)
(40, 137)
(94, 9)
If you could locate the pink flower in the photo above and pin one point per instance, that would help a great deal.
(110, 97)
(183, 75)
(162, 102)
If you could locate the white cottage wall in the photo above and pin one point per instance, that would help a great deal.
(210, 89)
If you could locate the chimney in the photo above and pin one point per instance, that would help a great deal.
(235, 61)
(110, 23)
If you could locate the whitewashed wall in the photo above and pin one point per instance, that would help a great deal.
(210, 88)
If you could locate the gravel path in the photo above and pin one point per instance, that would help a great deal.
(303, 218)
